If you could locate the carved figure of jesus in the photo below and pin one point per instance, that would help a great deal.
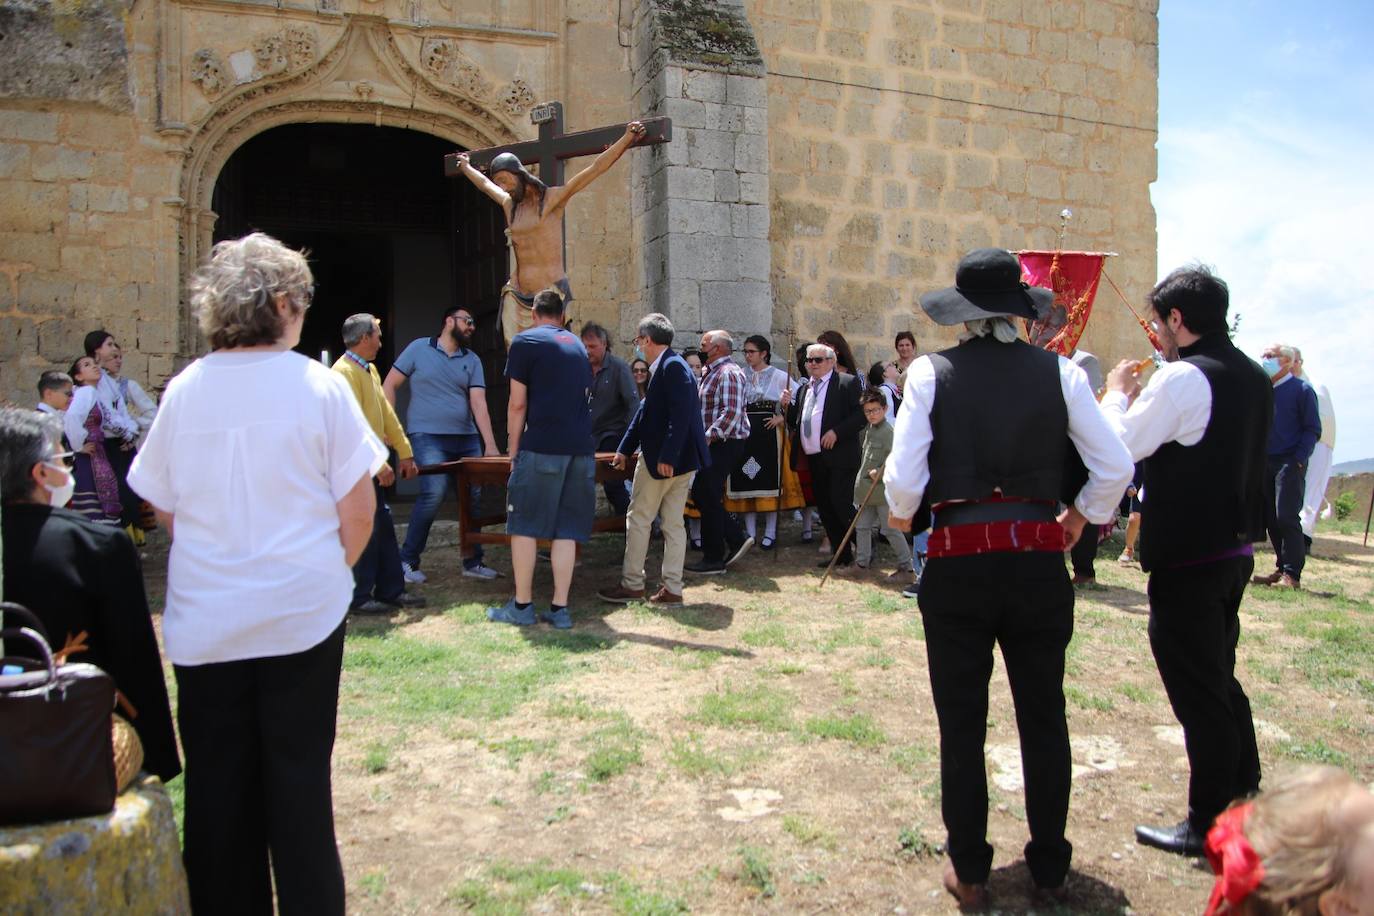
(534, 226)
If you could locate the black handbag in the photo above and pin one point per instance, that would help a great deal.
(56, 751)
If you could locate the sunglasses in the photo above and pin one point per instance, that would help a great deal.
(817, 359)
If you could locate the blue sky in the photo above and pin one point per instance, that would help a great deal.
(1266, 139)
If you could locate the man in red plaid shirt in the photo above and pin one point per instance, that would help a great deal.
(727, 428)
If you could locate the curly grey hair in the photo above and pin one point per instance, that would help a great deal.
(233, 294)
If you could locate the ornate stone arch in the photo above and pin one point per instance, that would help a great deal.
(363, 79)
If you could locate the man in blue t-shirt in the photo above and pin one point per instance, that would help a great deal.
(447, 420)
(551, 494)
(1292, 437)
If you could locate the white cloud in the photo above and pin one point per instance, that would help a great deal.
(1280, 208)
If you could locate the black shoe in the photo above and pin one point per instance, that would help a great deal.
(695, 544)
(405, 599)
(838, 566)
(705, 567)
(808, 538)
(371, 607)
(913, 590)
(1180, 839)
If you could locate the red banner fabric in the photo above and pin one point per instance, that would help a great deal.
(1073, 276)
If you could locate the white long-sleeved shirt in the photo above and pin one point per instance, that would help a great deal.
(1109, 466)
(116, 422)
(74, 421)
(141, 408)
(1174, 406)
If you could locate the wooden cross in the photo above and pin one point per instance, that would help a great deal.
(554, 146)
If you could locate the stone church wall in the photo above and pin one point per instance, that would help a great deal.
(880, 180)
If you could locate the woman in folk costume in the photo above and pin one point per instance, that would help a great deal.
(756, 485)
(97, 488)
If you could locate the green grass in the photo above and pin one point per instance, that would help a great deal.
(912, 842)
(857, 729)
(847, 636)
(373, 882)
(377, 759)
(615, 748)
(887, 603)
(1136, 694)
(516, 749)
(916, 759)
(1085, 700)
(693, 759)
(773, 634)
(756, 871)
(1315, 751)
(808, 832)
(879, 660)
(759, 706)
(784, 668)
(516, 889)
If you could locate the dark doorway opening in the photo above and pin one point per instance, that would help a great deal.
(387, 234)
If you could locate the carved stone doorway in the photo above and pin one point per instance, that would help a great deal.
(387, 234)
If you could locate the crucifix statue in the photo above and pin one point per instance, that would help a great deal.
(534, 207)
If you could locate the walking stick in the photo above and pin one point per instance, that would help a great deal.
(1367, 518)
(845, 540)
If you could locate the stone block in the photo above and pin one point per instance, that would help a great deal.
(1044, 182)
(156, 335)
(710, 149)
(900, 266)
(98, 130)
(822, 115)
(929, 166)
(1067, 14)
(934, 236)
(910, 127)
(1025, 71)
(685, 112)
(58, 339)
(904, 52)
(853, 259)
(727, 186)
(740, 307)
(751, 153)
(989, 66)
(702, 257)
(989, 137)
(35, 126)
(755, 258)
(1011, 174)
(1067, 78)
(29, 248)
(696, 216)
(862, 229)
(847, 45)
(960, 201)
(796, 218)
(1064, 149)
(1116, 54)
(964, 34)
(724, 117)
(753, 188)
(83, 260)
(755, 120)
(829, 157)
(950, 133)
(15, 160)
(27, 206)
(942, 58)
(108, 198)
(746, 91)
(858, 120)
(974, 235)
(690, 184)
(894, 195)
(1083, 48)
(972, 170)
(915, 23)
(704, 85)
(1016, 41)
(1085, 187)
(760, 221)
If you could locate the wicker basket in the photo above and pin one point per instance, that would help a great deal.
(128, 752)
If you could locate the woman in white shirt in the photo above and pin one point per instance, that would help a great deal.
(259, 464)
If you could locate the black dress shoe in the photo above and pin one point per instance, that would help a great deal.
(1180, 839)
(705, 567)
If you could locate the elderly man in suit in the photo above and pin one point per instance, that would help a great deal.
(825, 420)
(668, 431)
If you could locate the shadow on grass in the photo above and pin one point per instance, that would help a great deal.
(592, 632)
(1011, 887)
(1129, 600)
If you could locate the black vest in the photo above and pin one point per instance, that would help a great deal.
(1205, 499)
(999, 422)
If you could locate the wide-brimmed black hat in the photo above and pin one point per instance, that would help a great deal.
(987, 284)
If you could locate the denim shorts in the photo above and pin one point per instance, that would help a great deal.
(551, 497)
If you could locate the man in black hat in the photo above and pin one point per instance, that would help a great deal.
(983, 439)
(534, 225)
(1201, 430)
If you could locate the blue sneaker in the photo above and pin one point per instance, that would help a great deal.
(509, 613)
(560, 619)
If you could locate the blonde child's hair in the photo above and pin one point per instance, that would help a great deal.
(1297, 827)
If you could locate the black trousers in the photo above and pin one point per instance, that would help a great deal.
(1194, 628)
(258, 736)
(120, 461)
(1285, 490)
(1022, 602)
(1084, 552)
(834, 491)
(719, 530)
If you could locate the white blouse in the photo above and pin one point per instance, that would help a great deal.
(251, 453)
(765, 385)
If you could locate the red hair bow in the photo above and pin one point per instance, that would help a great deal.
(1238, 867)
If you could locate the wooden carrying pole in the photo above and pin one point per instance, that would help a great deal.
(857, 512)
(1367, 518)
(782, 437)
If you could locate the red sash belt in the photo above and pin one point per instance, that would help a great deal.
(995, 537)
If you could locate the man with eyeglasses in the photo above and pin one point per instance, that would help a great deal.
(447, 419)
(826, 420)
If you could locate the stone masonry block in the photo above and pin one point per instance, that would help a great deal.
(108, 198)
(846, 45)
(850, 14)
(15, 160)
(1068, 78)
(1064, 149)
(943, 58)
(950, 134)
(911, 23)
(753, 188)
(704, 85)
(728, 118)
(798, 218)
(755, 120)
(702, 257)
(818, 114)
(894, 195)
(738, 306)
(1066, 14)
(972, 170)
(858, 121)
(1016, 41)
(29, 248)
(27, 206)
(35, 126)
(698, 216)
(904, 52)
(755, 258)
(748, 91)
(1116, 54)
(1044, 182)
(711, 149)
(751, 153)
(685, 113)
(929, 166)
(727, 186)
(690, 184)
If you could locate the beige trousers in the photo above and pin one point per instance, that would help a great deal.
(651, 498)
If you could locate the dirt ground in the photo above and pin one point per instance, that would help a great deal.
(773, 747)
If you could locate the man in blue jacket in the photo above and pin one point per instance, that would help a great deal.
(668, 431)
(1295, 432)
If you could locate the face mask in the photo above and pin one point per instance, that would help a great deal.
(1270, 365)
(60, 496)
(639, 354)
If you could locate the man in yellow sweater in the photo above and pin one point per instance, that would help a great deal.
(378, 582)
